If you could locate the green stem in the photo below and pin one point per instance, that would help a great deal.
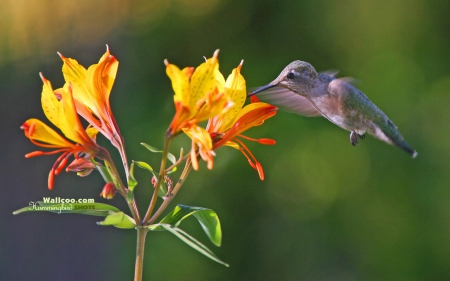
(161, 176)
(140, 248)
(121, 187)
(169, 197)
(123, 155)
(181, 159)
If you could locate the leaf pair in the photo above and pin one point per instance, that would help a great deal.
(207, 218)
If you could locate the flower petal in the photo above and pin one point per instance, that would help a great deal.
(50, 103)
(99, 81)
(75, 74)
(62, 113)
(235, 89)
(203, 80)
(70, 123)
(251, 115)
(200, 136)
(254, 114)
(109, 72)
(180, 82)
(36, 130)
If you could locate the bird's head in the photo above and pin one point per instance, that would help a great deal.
(298, 76)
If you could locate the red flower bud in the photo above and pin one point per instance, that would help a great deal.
(109, 190)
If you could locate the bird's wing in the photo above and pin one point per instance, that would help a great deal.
(288, 101)
(330, 72)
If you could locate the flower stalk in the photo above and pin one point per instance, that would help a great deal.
(169, 197)
(161, 175)
(140, 249)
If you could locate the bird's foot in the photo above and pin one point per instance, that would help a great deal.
(354, 137)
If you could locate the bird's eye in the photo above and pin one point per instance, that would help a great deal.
(290, 75)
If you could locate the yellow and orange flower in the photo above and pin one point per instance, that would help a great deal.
(228, 119)
(91, 89)
(251, 115)
(198, 95)
(59, 108)
(225, 129)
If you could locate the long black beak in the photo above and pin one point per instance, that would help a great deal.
(268, 86)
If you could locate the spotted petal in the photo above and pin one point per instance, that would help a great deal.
(203, 80)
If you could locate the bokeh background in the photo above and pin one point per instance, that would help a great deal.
(326, 211)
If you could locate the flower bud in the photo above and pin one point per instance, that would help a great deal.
(82, 166)
(109, 190)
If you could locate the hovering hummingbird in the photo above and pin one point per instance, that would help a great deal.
(300, 89)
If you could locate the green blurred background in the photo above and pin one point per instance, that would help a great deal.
(326, 211)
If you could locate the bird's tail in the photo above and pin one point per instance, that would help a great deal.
(405, 146)
(392, 133)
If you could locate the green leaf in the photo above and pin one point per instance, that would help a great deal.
(143, 165)
(119, 220)
(92, 209)
(191, 241)
(207, 218)
(104, 171)
(170, 156)
(162, 187)
(173, 170)
(132, 182)
(151, 148)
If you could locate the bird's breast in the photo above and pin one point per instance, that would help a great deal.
(334, 109)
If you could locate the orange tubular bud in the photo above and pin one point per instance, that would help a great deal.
(61, 165)
(34, 154)
(51, 179)
(109, 190)
(194, 160)
(260, 170)
(251, 164)
(266, 141)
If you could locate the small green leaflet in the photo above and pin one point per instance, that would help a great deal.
(143, 165)
(162, 187)
(104, 171)
(207, 218)
(170, 156)
(132, 182)
(119, 220)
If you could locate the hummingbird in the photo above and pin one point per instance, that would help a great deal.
(300, 89)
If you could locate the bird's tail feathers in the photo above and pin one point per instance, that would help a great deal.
(406, 147)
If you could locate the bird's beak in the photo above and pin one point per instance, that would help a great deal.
(268, 86)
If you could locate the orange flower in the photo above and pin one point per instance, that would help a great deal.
(198, 94)
(251, 115)
(59, 107)
(91, 89)
(226, 127)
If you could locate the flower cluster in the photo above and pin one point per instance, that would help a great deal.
(201, 94)
(85, 93)
(204, 94)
